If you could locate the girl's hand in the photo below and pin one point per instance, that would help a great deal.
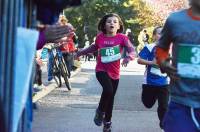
(125, 62)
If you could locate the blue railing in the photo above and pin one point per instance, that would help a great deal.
(14, 13)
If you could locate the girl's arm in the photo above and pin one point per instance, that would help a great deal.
(92, 48)
(129, 50)
(129, 53)
(145, 62)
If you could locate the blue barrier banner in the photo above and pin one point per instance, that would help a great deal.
(25, 50)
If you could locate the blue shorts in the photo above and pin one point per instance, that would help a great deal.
(179, 118)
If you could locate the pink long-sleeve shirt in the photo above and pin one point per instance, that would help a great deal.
(102, 41)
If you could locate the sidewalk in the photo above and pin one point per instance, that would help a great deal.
(47, 88)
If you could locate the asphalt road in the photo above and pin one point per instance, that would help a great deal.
(64, 111)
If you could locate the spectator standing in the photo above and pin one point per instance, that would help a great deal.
(145, 37)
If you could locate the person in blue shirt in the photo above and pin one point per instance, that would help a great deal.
(155, 86)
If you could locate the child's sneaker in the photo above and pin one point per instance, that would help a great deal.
(98, 119)
(107, 127)
(36, 88)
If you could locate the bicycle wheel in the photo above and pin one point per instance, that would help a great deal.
(57, 73)
(64, 74)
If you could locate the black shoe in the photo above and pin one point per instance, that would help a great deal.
(99, 116)
(69, 74)
(35, 106)
(107, 127)
(161, 125)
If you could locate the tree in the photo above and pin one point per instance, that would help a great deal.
(162, 8)
(136, 14)
(86, 17)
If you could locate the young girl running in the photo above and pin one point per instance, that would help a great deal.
(155, 85)
(109, 44)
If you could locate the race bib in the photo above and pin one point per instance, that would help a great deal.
(189, 61)
(110, 54)
(156, 71)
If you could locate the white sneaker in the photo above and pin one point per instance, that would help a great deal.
(36, 88)
(42, 87)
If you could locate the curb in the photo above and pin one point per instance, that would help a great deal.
(73, 73)
(45, 91)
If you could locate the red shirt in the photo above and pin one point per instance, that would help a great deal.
(112, 68)
(68, 45)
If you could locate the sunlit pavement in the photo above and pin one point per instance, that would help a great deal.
(72, 111)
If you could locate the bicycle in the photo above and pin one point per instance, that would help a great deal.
(59, 68)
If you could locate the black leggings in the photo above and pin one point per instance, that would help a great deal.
(38, 75)
(109, 86)
(152, 93)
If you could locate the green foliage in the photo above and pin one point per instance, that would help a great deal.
(162, 8)
(89, 14)
(136, 15)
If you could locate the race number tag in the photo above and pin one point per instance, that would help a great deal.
(156, 71)
(110, 54)
(189, 61)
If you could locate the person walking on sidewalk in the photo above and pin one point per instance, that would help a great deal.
(182, 30)
(109, 44)
(155, 85)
